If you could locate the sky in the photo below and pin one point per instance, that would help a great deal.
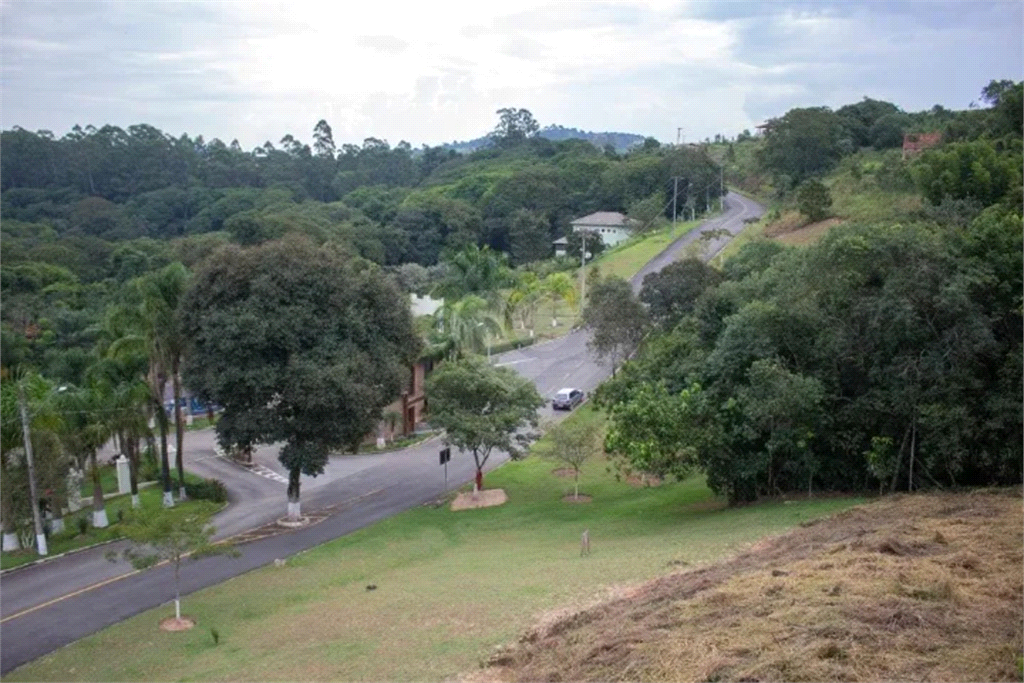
(433, 72)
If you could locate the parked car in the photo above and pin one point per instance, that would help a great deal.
(567, 399)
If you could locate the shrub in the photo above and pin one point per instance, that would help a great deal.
(814, 200)
(83, 525)
(208, 489)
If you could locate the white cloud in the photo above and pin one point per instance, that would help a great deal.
(433, 72)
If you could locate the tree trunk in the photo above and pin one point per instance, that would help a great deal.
(179, 433)
(913, 440)
(576, 493)
(165, 464)
(132, 451)
(99, 513)
(10, 537)
(899, 462)
(177, 589)
(294, 501)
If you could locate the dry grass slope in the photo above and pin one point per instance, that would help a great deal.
(912, 587)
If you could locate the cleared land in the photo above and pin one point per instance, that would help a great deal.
(908, 588)
(450, 586)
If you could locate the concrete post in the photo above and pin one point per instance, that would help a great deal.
(124, 481)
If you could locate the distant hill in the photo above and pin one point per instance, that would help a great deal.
(622, 142)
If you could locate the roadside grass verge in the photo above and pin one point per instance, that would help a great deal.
(72, 539)
(450, 586)
(627, 259)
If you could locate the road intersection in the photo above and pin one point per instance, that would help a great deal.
(54, 603)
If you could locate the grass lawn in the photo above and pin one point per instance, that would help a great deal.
(450, 585)
(71, 539)
(627, 259)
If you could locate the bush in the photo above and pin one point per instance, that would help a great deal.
(208, 489)
(814, 200)
(512, 344)
(83, 525)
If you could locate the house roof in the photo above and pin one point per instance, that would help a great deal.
(562, 240)
(607, 219)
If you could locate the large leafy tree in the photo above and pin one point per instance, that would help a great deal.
(301, 344)
(616, 318)
(481, 407)
(672, 292)
(802, 144)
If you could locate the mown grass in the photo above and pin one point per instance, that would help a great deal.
(626, 259)
(72, 539)
(450, 585)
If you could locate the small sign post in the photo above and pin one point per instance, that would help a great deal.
(445, 456)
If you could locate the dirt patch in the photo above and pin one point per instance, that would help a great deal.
(906, 588)
(582, 498)
(644, 480)
(175, 624)
(481, 499)
(807, 234)
(564, 472)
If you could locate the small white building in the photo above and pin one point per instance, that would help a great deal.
(612, 226)
(424, 305)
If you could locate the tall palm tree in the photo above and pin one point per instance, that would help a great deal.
(128, 410)
(158, 332)
(466, 325)
(475, 270)
(87, 426)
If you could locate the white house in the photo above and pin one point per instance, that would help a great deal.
(612, 226)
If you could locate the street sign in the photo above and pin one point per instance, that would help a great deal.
(445, 456)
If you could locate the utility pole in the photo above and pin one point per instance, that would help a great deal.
(675, 194)
(36, 519)
(583, 268)
(679, 136)
(721, 186)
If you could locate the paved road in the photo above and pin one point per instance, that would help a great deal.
(50, 605)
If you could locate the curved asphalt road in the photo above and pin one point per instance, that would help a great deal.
(57, 602)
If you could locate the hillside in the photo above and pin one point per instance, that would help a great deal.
(913, 587)
(621, 142)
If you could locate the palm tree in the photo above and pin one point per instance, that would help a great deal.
(466, 325)
(157, 331)
(128, 410)
(87, 426)
(475, 270)
(523, 300)
(50, 471)
(559, 287)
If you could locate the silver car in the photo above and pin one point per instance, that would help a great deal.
(567, 399)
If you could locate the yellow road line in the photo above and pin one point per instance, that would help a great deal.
(72, 594)
(159, 564)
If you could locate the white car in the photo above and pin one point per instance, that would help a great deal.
(567, 399)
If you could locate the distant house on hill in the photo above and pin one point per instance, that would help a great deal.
(612, 226)
(914, 143)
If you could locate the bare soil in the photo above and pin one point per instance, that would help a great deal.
(175, 624)
(910, 587)
(582, 498)
(481, 499)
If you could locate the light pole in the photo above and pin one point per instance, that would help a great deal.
(36, 519)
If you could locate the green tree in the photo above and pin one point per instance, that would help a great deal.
(672, 292)
(481, 407)
(300, 344)
(172, 536)
(575, 240)
(803, 143)
(616, 318)
(814, 200)
(466, 326)
(514, 127)
(87, 426)
(967, 170)
(529, 237)
(573, 442)
(475, 270)
(559, 288)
